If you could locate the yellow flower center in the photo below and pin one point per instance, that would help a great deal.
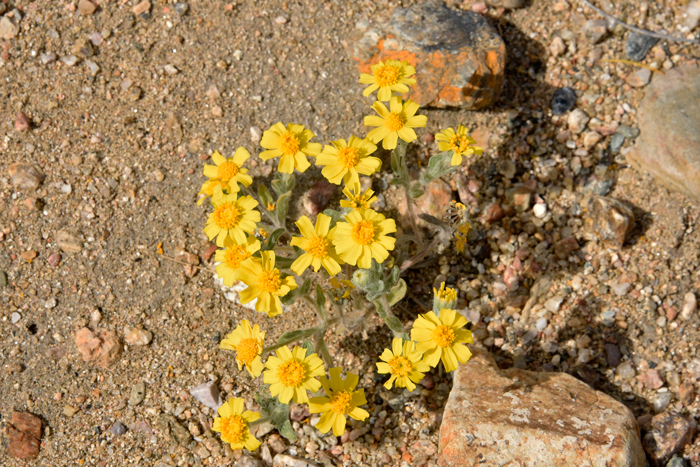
(318, 247)
(386, 75)
(444, 336)
(270, 281)
(227, 171)
(233, 429)
(289, 144)
(400, 366)
(227, 215)
(348, 157)
(395, 121)
(235, 255)
(291, 373)
(247, 350)
(363, 232)
(341, 402)
(263, 233)
(459, 143)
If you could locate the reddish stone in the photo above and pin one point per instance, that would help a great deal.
(22, 122)
(652, 379)
(209, 252)
(564, 247)
(102, 347)
(495, 213)
(54, 260)
(459, 57)
(686, 393)
(668, 434)
(22, 435)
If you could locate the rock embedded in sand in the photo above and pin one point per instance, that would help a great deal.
(102, 347)
(538, 418)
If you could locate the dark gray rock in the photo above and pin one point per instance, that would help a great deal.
(563, 100)
(613, 355)
(638, 45)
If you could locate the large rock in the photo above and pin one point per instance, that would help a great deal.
(514, 417)
(668, 434)
(669, 119)
(22, 435)
(459, 57)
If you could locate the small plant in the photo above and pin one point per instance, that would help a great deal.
(346, 254)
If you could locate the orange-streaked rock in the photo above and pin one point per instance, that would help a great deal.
(459, 57)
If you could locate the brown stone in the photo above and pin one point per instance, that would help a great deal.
(22, 122)
(22, 435)
(669, 117)
(68, 242)
(610, 220)
(102, 347)
(652, 379)
(668, 434)
(520, 417)
(54, 260)
(25, 175)
(495, 213)
(564, 247)
(686, 393)
(142, 7)
(459, 57)
(86, 7)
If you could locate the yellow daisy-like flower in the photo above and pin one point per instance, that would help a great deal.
(404, 363)
(233, 217)
(364, 236)
(340, 400)
(345, 161)
(291, 373)
(233, 425)
(442, 338)
(343, 285)
(396, 122)
(264, 283)
(232, 257)
(248, 343)
(230, 172)
(291, 145)
(356, 199)
(208, 189)
(388, 76)
(317, 243)
(444, 298)
(458, 143)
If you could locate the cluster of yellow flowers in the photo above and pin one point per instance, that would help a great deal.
(362, 235)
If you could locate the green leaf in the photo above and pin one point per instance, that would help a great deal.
(415, 191)
(321, 301)
(265, 196)
(282, 262)
(308, 346)
(305, 288)
(290, 297)
(323, 351)
(334, 215)
(397, 292)
(289, 337)
(282, 207)
(433, 220)
(438, 166)
(273, 238)
(277, 412)
(394, 276)
(283, 183)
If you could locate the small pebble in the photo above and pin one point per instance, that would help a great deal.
(117, 429)
(181, 8)
(621, 289)
(255, 134)
(553, 304)
(690, 306)
(15, 317)
(138, 393)
(661, 401)
(563, 100)
(539, 210)
(47, 58)
(70, 60)
(638, 45)
(541, 324)
(280, 20)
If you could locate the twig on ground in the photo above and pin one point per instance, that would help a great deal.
(658, 35)
(630, 62)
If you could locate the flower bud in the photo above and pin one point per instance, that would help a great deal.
(444, 298)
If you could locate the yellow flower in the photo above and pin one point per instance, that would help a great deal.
(458, 143)
(363, 237)
(387, 77)
(248, 343)
(317, 243)
(291, 373)
(356, 199)
(404, 363)
(444, 298)
(264, 283)
(232, 257)
(263, 233)
(232, 218)
(341, 400)
(345, 161)
(208, 189)
(394, 124)
(233, 425)
(292, 144)
(343, 285)
(229, 171)
(442, 338)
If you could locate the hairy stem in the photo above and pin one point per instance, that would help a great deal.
(384, 312)
(412, 217)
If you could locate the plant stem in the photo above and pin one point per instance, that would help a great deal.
(319, 314)
(259, 421)
(384, 312)
(263, 209)
(420, 255)
(412, 217)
